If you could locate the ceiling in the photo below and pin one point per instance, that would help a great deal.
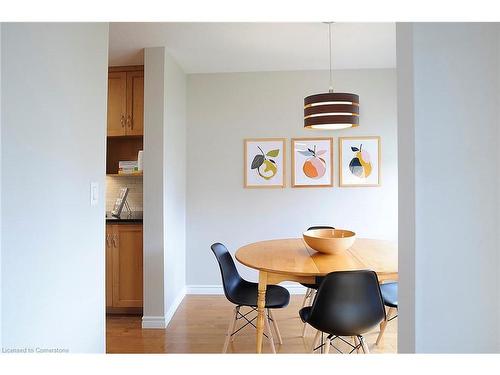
(250, 47)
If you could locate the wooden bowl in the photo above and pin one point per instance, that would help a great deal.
(329, 241)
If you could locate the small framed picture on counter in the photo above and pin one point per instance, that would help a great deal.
(120, 202)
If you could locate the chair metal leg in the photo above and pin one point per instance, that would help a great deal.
(275, 326)
(363, 345)
(383, 325)
(269, 333)
(230, 329)
(315, 341)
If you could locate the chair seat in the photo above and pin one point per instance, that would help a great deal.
(390, 294)
(304, 313)
(245, 294)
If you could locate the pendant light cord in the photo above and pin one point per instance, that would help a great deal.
(330, 50)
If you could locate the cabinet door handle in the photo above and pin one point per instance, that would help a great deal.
(115, 240)
(129, 122)
(122, 120)
(107, 240)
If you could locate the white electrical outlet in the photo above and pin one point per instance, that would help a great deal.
(94, 193)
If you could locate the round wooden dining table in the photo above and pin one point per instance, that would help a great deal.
(293, 260)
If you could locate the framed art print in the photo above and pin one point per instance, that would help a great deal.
(312, 162)
(264, 163)
(359, 161)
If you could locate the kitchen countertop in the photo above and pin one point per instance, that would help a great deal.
(133, 217)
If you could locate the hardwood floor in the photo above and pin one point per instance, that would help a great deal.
(200, 324)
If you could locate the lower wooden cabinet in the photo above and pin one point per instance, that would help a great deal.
(124, 273)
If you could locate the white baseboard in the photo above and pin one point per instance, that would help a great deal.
(217, 289)
(161, 322)
(175, 305)
(153, 322)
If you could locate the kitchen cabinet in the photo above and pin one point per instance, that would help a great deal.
(126, 101)
(117, 103)
(109, 267)
(124, 274)
(135, 103)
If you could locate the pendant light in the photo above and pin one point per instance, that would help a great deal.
(331, 110)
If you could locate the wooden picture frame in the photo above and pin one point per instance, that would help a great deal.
(349, 169)
(260, 158)
(316, 170)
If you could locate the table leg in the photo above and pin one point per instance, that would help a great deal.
(261, 308)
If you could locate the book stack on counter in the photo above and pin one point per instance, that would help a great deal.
(128, 167)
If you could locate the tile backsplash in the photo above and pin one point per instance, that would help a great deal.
(113, 185)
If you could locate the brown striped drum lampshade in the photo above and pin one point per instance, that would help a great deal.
(332, 110)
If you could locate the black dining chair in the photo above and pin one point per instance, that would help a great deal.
(348, 304)
(243, 293)
(312, 288)
(390, 297)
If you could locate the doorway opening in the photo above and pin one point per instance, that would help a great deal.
(124, 191)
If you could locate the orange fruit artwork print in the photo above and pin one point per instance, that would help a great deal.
(315, 166)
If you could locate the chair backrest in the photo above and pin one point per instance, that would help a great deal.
(320, 227)
(231, 279)
(348, 303)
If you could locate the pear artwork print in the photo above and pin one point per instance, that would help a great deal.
(264, 162)
(360, 164)
(312, 162)
(270, 168)
(359, 161)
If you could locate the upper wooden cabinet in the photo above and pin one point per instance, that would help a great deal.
(117, 103)
(135, 103)
(125, 101)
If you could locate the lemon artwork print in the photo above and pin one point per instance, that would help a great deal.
(264, 165)
(360, 165)
(314, 166)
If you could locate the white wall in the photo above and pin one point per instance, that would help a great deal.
(498, 202)
(175, 185)
(223, 109)
(406, 186)
(164, 187)
(153, 188)
(54, 85)
(0, 184)
(455, 80)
